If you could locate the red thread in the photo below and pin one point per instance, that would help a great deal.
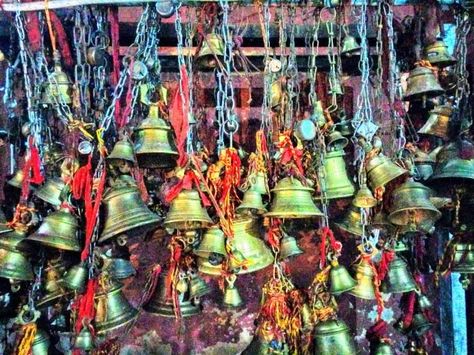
(387, 257)
(189, 179)
(62, 40)
(409, 309)
(336, 246)
(85, 306)
(377, 331)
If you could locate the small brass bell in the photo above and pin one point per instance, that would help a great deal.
(365, 282)
(84, 340)
(58, 88)
(337, 182)
(58, 230)
(289, 247)
(125, 212)
(383, 348)
(318, 116)
(123, 150)
(112, 308)
(119, 268)
(232, 297)
(424, 302)
(50, 192)
(76, 277)
(381, 170)
(52, 285)
(350, 46)
(420, 325)
(259, 183)
(197, 287)
(438, 124)
(438, 55)
(41, 343)
(364, 198)
(335, 87)
(351, 221)
(424, 164)
(333, 337)
(422, 83)
(252, 203)
(340, 279)
(186, 212)
(212, 47)
(292, 200)
(154, 143)
(17, 179)
(212, 246)
(463, 258)
(336, 141)
(399, 278)
(450, 165)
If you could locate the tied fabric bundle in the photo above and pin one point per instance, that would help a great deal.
(189, 180)
(290, 156)
(336, 247)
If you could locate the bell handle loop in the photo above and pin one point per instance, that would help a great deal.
(122, 240)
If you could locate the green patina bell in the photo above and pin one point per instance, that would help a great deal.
(340, 279)
(14, 263)
(232, 298)
(383, 349)
(289, 247)
(84, 340)
(198, 287)
(76, 277)
(337, 183)
(332, 337)
(351, 221)
(41, 343)
(399, 278)
(463, 258)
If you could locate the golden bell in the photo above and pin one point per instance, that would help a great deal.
(58, 88)
(41, 343)
(340, 279)
(289, 247)
(14, 265)
(112, 308)
(212, 246)
(252, 203)
(463, 258)
(381, 170)
(420, 325)
(186, 212)
(383, 348)
(259, 183)
(292, 200)
(422, 83)
(338, 184)
(58, 230)
(154, 143)
(212, 47)
(52, 285)
(123, 150)
(336, 141)
(162, 304)
(364, 198)
(437, 123)
(76, 277)
(365, 282)
(84, 340)
(232, 297)
(412, 206)
(438, 55)
(17, 179)
(198, 287)
(125, 212)
(333, 337)
(349, 46)
(450, 165)
(50, 192)
(398, 278)
(351, 221)
(119, 268)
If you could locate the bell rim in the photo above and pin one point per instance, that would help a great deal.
(165, 309)
(435, 214)
(43, 239)
(117, 323)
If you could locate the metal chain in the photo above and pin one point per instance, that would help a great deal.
(291, 71)
(333, 77)
(265, 123)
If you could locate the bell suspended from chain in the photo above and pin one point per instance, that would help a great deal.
(364, 198)
(438, 122)
(463, 258)
(422, 83)
(398, 278)
(292, 200)
(337, 182)
(252, 203)
(420, 325)
(381, 170)
(451, 165)
(161, 302)
(58, 88)
(154, 143)
(335, 87)
(412, 206)
(197, 287)
(340, 279)
(14, 263)
(212, 246)
(350, 46)
(17, 179)
(112, 308)
(50, 191)
(259, 183)
(438, 55)
(211, 51)
(40, 345)
(232, 298)
(52, 286)
(84, 340)
(76, 277)
(59, 230)
(336, 141)
(186, 212)
(122, 151)
(289, 247)
(125, 212)
(333, 337)
(365, 281)
(351, 221)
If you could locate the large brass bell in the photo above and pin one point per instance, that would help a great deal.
(463, 258)
(365, 282)
(422, 83)
(197, 287)
(162, 304)
(364, 198)
(451, 165)
(420, 325)
(336, 141)
(351, 221)
(58, 230)
(232, 298)
(333, 337)
(381, 170)
(50, 192)
(337, 182)
(154, 143)
(412, 205)
(398, 278)
(58, 88)
(340, 279)
(112, 308)
(291, 199)
(212, 246)
(289, 247)
(84, 340)
(211, 51)
(438, 55)
(123, 150)
(125, 212)
(76, 277)
(252, 203)
(437, 123)
(186, 212)
(41, 343)
(383, 348)
(350, 46)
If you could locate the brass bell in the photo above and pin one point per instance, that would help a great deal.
(112, 308)
(232, 297)
(119, 268)
(424, 302)
(340, 279)
(337, 182)
(289, 247)
(335, 87)
(76, 277)
(123, 150)
(398, 278)
(252, 203)
(212, 46)
(41, 343)
(125, 212)
(463, 258)
(365, 282)
(420, 325)
(383, 348)
(450, 165)
(58, 88)
(197, 287)
(381, 170)
(422, 83)
(438, 55)
(412, 206)
(292, 200)
(212, 246)
(259, 183)
(154, 143)
(438, 124)
(17, 179)
(364, 198)
(84, 340)
(424, 165)
(162, 304)
(318, 116)
(186, 212)
(333, 337)
(351, 221)
(50, 192)
(350, 46)
(14, 265)
(336, 141)
(52, 285)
